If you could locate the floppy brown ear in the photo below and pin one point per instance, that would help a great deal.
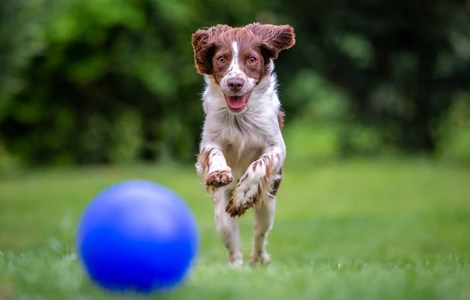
(274, 38)
(204, 46)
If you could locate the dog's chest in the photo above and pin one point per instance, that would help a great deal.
(242, 145)
(240, 156)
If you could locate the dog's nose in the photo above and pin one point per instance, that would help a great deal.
(235, 84)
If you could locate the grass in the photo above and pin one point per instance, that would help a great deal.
(383, 229)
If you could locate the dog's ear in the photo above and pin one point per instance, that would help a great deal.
(273, 38)
(203, 42)
(202, 46)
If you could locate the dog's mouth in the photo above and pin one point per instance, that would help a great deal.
(237, 103)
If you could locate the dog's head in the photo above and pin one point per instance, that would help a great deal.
(239, 58)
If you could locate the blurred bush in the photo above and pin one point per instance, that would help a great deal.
(454, 131)
(102, 80)
(400, 64)
(113, 81)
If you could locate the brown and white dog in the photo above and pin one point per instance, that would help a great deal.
(242, 150)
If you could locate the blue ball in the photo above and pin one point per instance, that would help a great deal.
(137, 236)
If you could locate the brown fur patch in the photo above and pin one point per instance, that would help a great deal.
(268, 165)
(204, 158)
(276, 184)
(255, 165)
(263, 42)
(259, 195)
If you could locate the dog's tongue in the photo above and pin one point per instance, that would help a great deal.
(237, 103)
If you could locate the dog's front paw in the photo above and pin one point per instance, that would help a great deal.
(235, 208)
(246, 194)
(218, 179)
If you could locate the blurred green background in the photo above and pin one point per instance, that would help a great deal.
(113, 81)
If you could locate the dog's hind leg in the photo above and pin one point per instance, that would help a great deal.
(264, 220)
(227, 227)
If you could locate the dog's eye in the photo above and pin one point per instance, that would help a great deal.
(252, 60)
(221, 59)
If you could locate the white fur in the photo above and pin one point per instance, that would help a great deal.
(236, 142)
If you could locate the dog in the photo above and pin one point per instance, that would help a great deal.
(242, 150)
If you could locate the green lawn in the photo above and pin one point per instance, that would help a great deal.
(383, 229)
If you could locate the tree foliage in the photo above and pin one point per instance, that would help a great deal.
(401, 63)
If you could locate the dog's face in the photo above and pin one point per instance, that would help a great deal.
(239, 58)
